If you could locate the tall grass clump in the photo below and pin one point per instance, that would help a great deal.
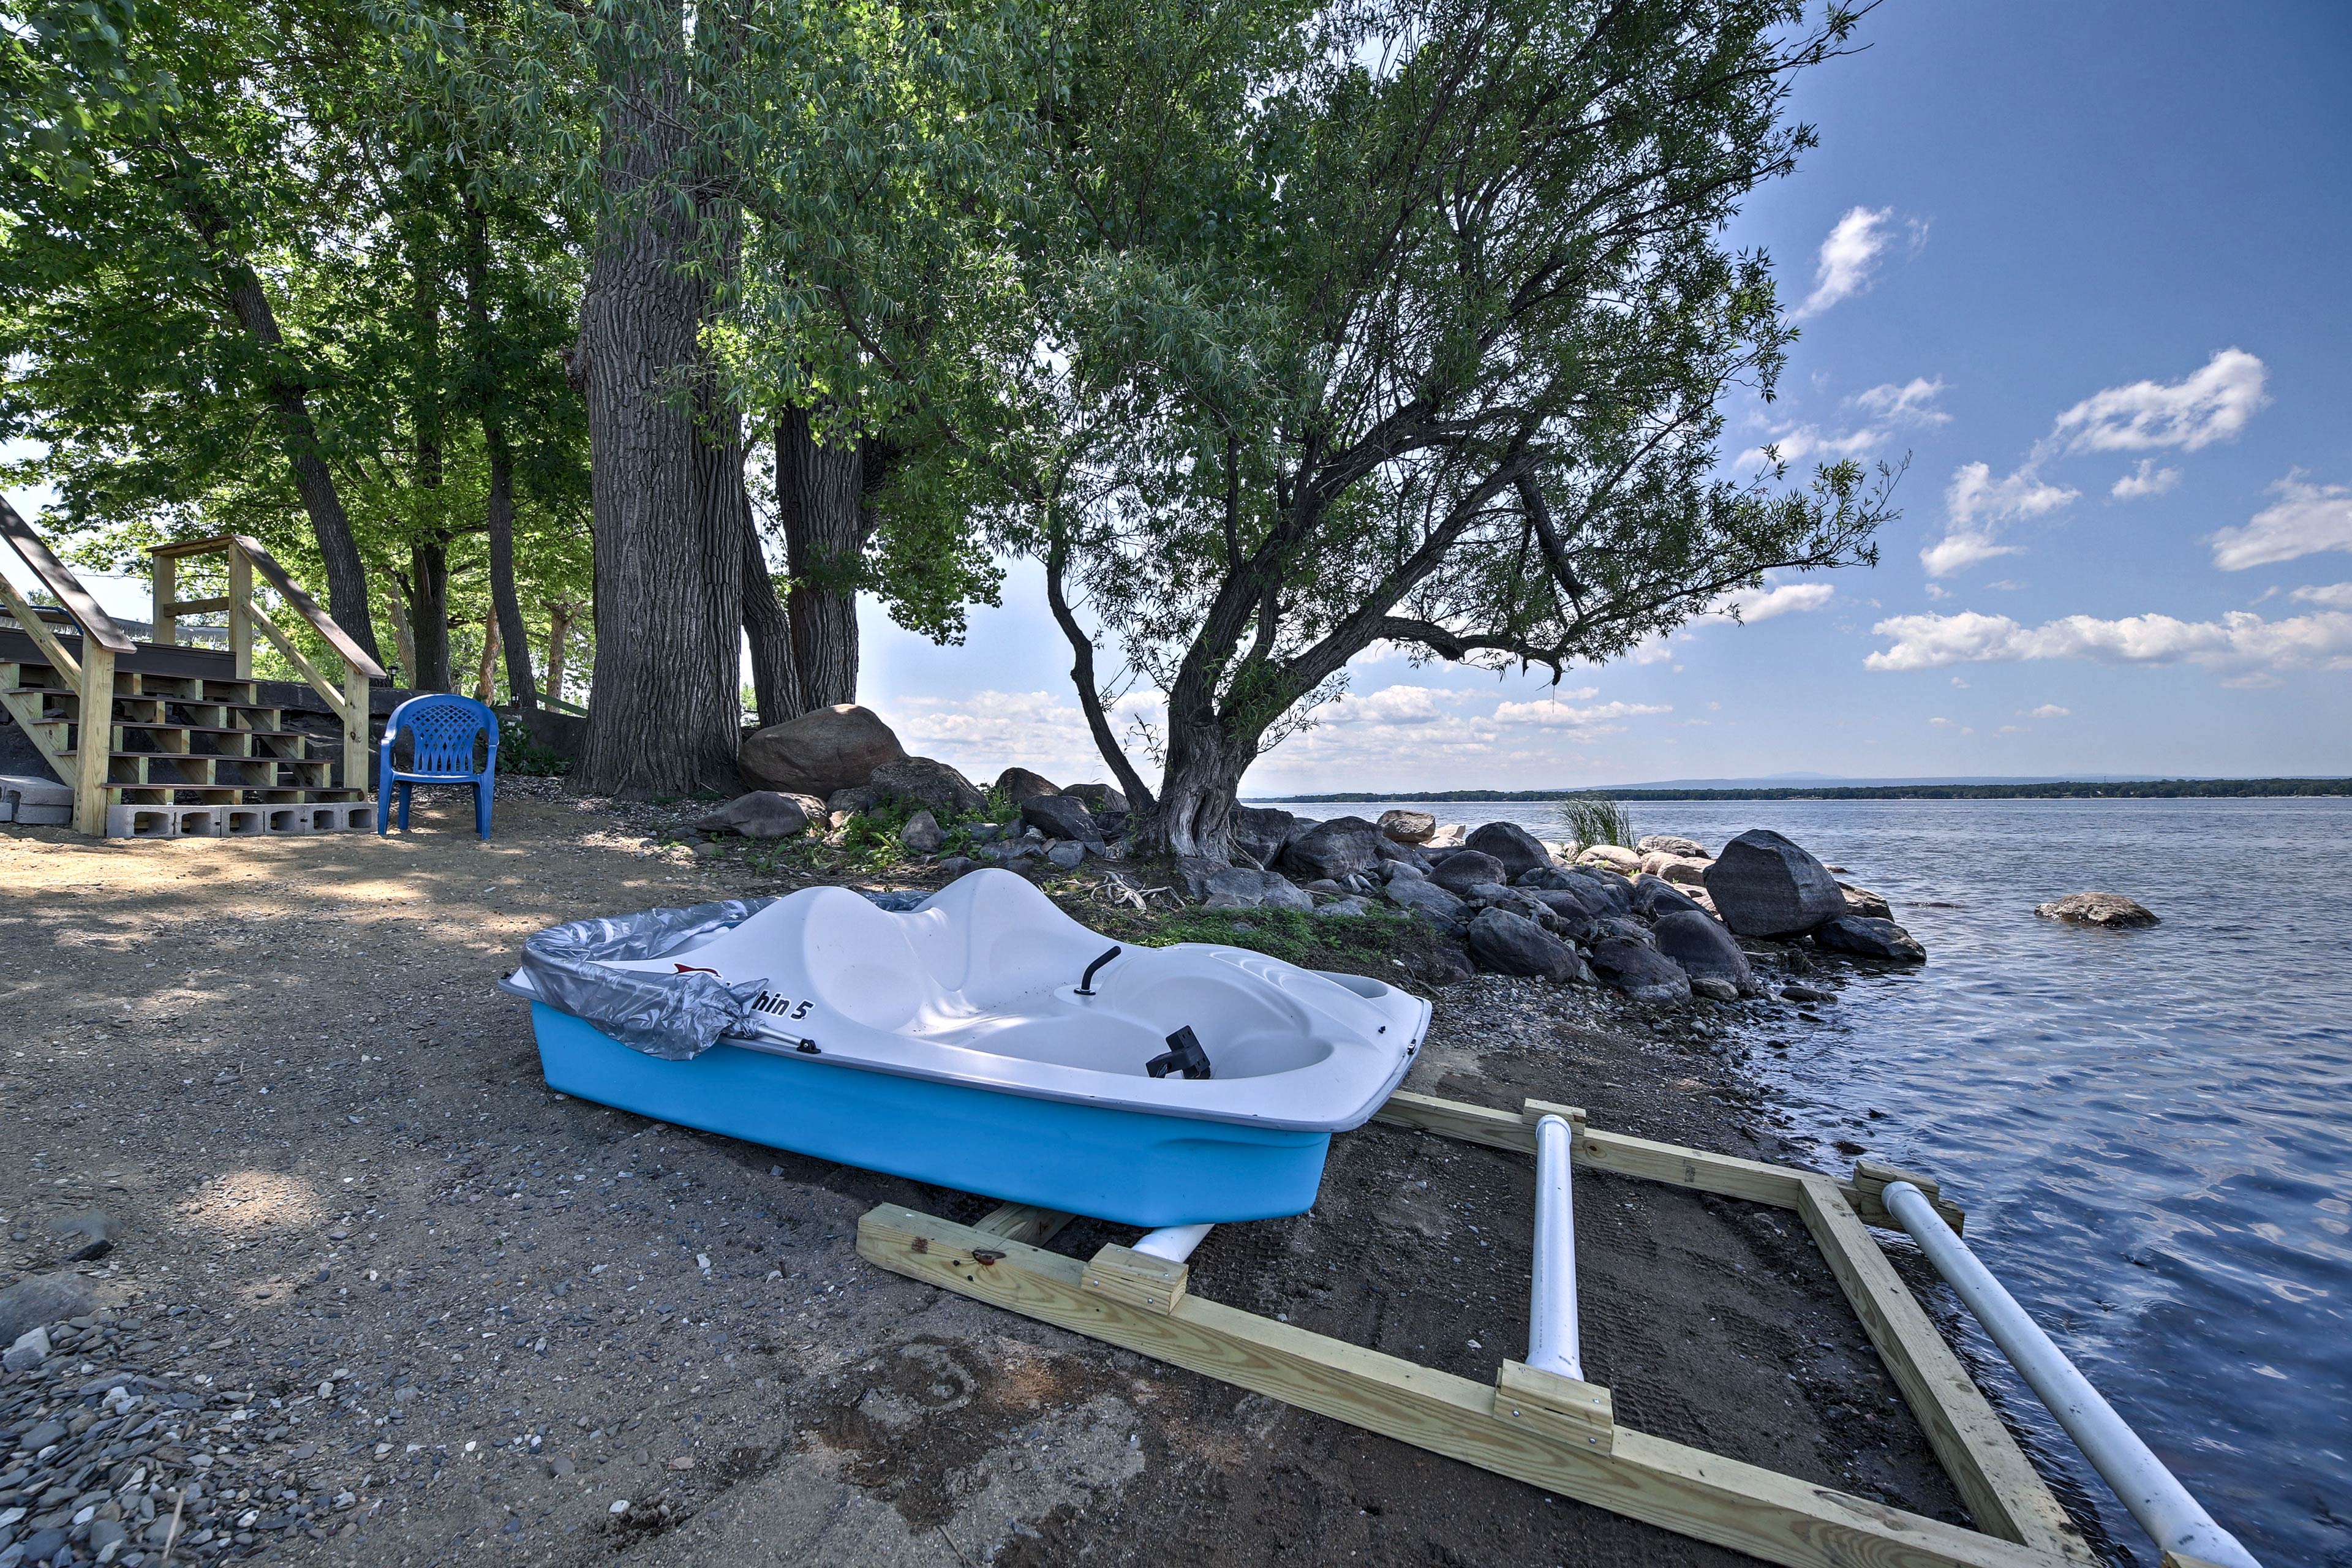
(1591, 819)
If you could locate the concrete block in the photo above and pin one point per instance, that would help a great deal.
(34, 801)
(284, 819)
(245, 821)
(143, 822)
(203, 821)
(344, 816)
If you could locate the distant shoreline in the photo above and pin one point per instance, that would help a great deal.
(2153, 789)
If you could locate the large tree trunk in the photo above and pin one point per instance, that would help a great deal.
(403, 636)
(669, 583)
(820, 494)
(428, 614)
(559, 645)
(1199, 788)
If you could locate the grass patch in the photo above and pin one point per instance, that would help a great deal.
(1378, 945)
(1591, 819)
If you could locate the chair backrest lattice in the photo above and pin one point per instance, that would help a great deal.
(446, 734)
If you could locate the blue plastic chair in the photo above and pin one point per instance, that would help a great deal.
(444, 731)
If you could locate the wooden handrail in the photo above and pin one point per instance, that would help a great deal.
(62, 586)
(292, 592)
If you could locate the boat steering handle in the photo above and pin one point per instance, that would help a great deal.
(1087, 981)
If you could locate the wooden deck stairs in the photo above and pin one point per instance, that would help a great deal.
(190, 745)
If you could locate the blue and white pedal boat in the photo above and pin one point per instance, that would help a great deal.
(985, 1041)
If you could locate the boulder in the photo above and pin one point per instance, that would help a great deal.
(851, 802)
(1653, 898)
(765, 814)
(1668, 844)
(1443, 966)
(2110, 910)
(927, 783)
(1465, 868)
(1018, 785)
(1764, 885)
(820, 751)
(1259, 831)
(1610, 856)
(1864, 902)
(1712, 989)
(1612, 889)
(1341, 847)
(1415, 896)
(1869, 939)
(955, 866)
(1393, 854)
(1448, 834)
(1066, 853)
(1641, 973)
(30, 1350)
(42, 1299)
(1236, 886)
(1506, 944)
(1061, 815)
(1705, 950)
(1551, 876)
(922, 834)
(1350, 905)
(1514, 846)
(1683, 871)
(1408, 827)
(1099, 798)
(1623, 928)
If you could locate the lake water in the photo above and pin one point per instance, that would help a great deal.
(2151, 1131)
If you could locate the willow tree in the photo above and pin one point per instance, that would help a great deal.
(1401, 324)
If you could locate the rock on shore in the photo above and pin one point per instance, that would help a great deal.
(819, 753)
(1767, 884)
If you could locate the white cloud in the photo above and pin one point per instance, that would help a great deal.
(1753, 604)
(2049, 710)
(1913, 403)
(2211, 406)
(1800, 442)
(1959, 684)
(1405, 705)
(2306, 520)
(2239, 639)
(982, 733)
(1560, 715)
(1976, 503)
(1941, 724)
(2148, 479)
(2335, 596)
(1851, 254)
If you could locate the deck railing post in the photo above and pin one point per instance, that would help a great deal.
(94, 741)
(355, 729)
(240, 610)
(166, 629)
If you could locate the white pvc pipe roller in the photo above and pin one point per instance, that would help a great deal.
(1551, 1313)
(2175, 1520)
(1175, 1243)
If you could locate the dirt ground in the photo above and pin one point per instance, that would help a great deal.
(389, 1299)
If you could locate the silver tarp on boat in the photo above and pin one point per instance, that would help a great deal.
(673, 1016)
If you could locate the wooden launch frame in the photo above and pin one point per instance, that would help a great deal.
(1536, 1427)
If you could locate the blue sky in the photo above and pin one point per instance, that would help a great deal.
(2086, 265)
(2077, 245)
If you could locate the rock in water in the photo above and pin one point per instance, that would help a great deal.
(1514, 846)
(1061, 816)
(1641, 973)
(1705, 950)
(1259, 831)
(820, 751)
(1099, 798)
(1864, 902)
(1668, 844)
(765, 814)
(1018, 784)
(1341, 847)
(1764, 885)
(929, 782)
(1869, 939)
(40, 1299)
(2097, 909)
(922, 834)
(1408, 827)
(1506, 944)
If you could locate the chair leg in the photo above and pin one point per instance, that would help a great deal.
(384, 808)
(404, 792)
(482, 809)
